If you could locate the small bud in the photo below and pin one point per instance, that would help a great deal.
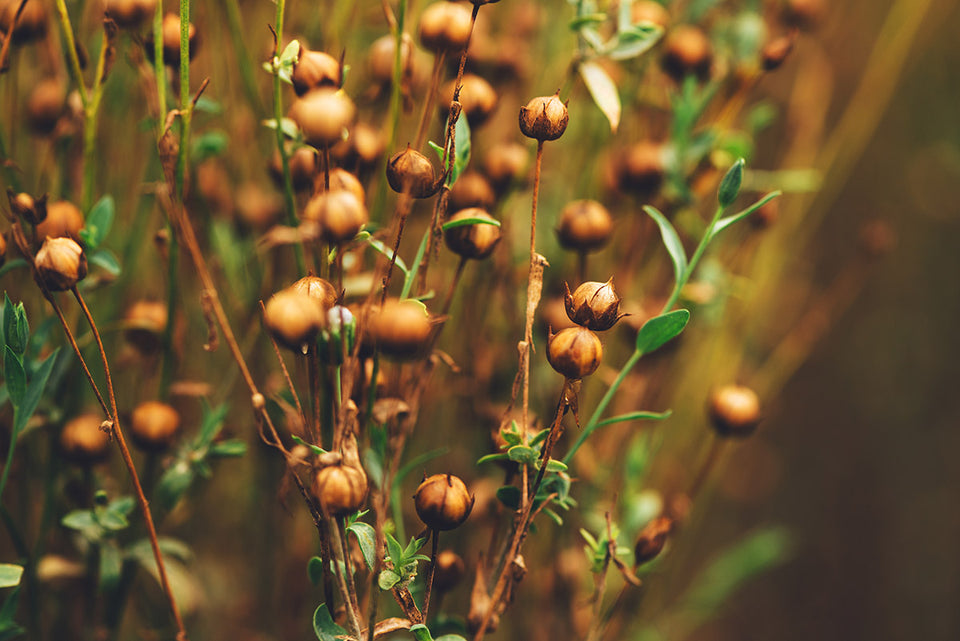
(443, 502)
(775, 52)
(293, 318)
(32, 24)
(323, 116)
(257, 207)
(585, 225)
(82, 441)
(651, 540)
(146, 322)
(475, 241)
(449, 571)
(382, 54)
(258, 401)
(303, 168)
(649, 11)
(343, 180)
(401, 328)
(687, 50)
(340, 489)
(478, 99)
(318, 289)
(129, 14)
(804, 14)
(63, 220)
(171, 41)
(445, 26)
(61, 264)
(46, 104)
(505, 165)
(734, 410)
(31, 209)
(411, 172)
(593, 305)
(544, 118)
(471, 190)
(640, 169)
(574, 352)
(730, 185)
(314, 69)
(339, 215)
(154, 425)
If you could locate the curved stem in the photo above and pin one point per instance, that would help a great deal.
(435, 548)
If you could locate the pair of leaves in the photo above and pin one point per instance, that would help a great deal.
(103, 520)
(404, 561)
(282, 65)
(462, 150)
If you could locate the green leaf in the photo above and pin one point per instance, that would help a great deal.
(111, 566)
(313, 448)
(636, 416)
(208, 105)
(35, 391)
(324, 626)
(509, 495)
(730, 185)
(230, 448)
(603, 90)
(315, 570)
(412, 547)
(723, 223)
(523, 454)
(553, 465)
(211, 423)
(419, 460)
(209, 145)
(364, 236)
(122, 506)
(388, 579)
(112, 521)
(440, 151)
(394, 550)
(463, 222)
(421, 632)
(106, 260)
(661, 329)
(9, 320)
(10, 575)
(461, 136)
(635, 41)
(173, 484)
(16, 329)
(287, 126)
(98, 222)
(450, 637)
(8, 627)
(367, 538)
(411, 275)
(15, 377)
(587, 20)
(670, 240)
(490, 458)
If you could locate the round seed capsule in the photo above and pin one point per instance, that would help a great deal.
(544, 118)
(585, 226)
(323, 115)
(154, 425)
(314, 69)
(82, 441)
(593, 305)
(61, 264)
(340, 489)
(574, 352)
(443, 502)
(411, 172)
(476, 240)
(734, 410)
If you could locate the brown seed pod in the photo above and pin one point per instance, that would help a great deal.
(46, 104)
(449, 571)
(574, 352)
(32, 24)
(478, 98)
(734, 410)
(154, 425)
(340, 489)
(146, 322)
(443, 502)
(61, 264)
(171, 41)
(650, 11)
(506, 165)
(318, 289)
(475, 241)
(411, 172)
(687, 50)
(339, 215)
(804, 14)
(775, 52)
(401, 328)
(343, 180)
(593, 305)
(303, 168)
(585, 226)
(129, 14)
(33, 210)
(445, 26)
(83, 442)
(323, 116)
(651, 540)
(293, 318)
(314, 69)
(63, 220)
(544, 118)
(640, 168)
(471, 190)
(382, 54)
(368, 144)
(256, 207)
(3, 249)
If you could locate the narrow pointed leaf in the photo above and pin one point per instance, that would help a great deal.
(670, 240)
(603, 90)
(636, 416)
(723, 223)
(660, 330)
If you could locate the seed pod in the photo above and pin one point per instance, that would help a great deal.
(382, 54)
(303, 168)
(33, 210)
(475, 241)
(505, 165)
(401, 328)
(61, 264)
(651, 540)
(687, 50)
(63, 220)
(471, 190)
(314, 69)
(411, 172)
(445, 26)
(734, 410)
(649, 11)
(293, 318)
(171, 41)
(32, 24)
(130, 14)
(443, 502)
(804, 14)
(775, 52)
(593, 305)
(339, 214)
(318, 289)
(45, 105)
(574, 352)
(146, 322)
(585, 226)
(544, 118)
(641, 168)
(343, 180)
(340, 489)
(323, 116)
(449, 571)
(258, 208)
(3, 249)
(154, 425)
(367, 144)
(478, 98)
(83, 442)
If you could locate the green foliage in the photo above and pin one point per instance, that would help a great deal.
(98, 223)
(461, 141)
(463, 222)
(660, 330)
(324, 626)
(10, 575)
(402, 563)
(671, 240)
(730, 185)
(603, 90)
(598, 546)
(103, 521)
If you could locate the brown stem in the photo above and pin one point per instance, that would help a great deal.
(326, 168)
(431, 93)
(132, 470)
(313, 365)
(453, 285)
(76, 350)
(433, 568)
(352, 618)
(348, 568)
(404, 205)
(583, 266)
(286, 373)
(528, 330)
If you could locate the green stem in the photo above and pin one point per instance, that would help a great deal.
(159, 70)
(71, 46)
(243, 56)
(13, 445)
(91, 110)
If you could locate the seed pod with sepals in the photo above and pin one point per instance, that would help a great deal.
(574, 352)
(804, 14)
(340, 489)
(471, 190)
(33, 210)
(687, 50)
(171, 41)
(593, 305)
(343, 180)
(651, 540)
(318, 289)
(505, 165)
(83, 442)
(443, 502)
(381, 58)
(585, 226)
(734, 410)
(338, 214)
(544, 118)
(478, 99)
(445, 26)
(640, 168)
(323, 116)
(401, 328)
(63, 220)
(154, 425)
(450, 570)
(32, 24)
(649, 11)
(61, 264)
(476, 240)
(411, 172)
(45, 105)
(293, 318)
(145, 322)
(314, 69)
(129, 14)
